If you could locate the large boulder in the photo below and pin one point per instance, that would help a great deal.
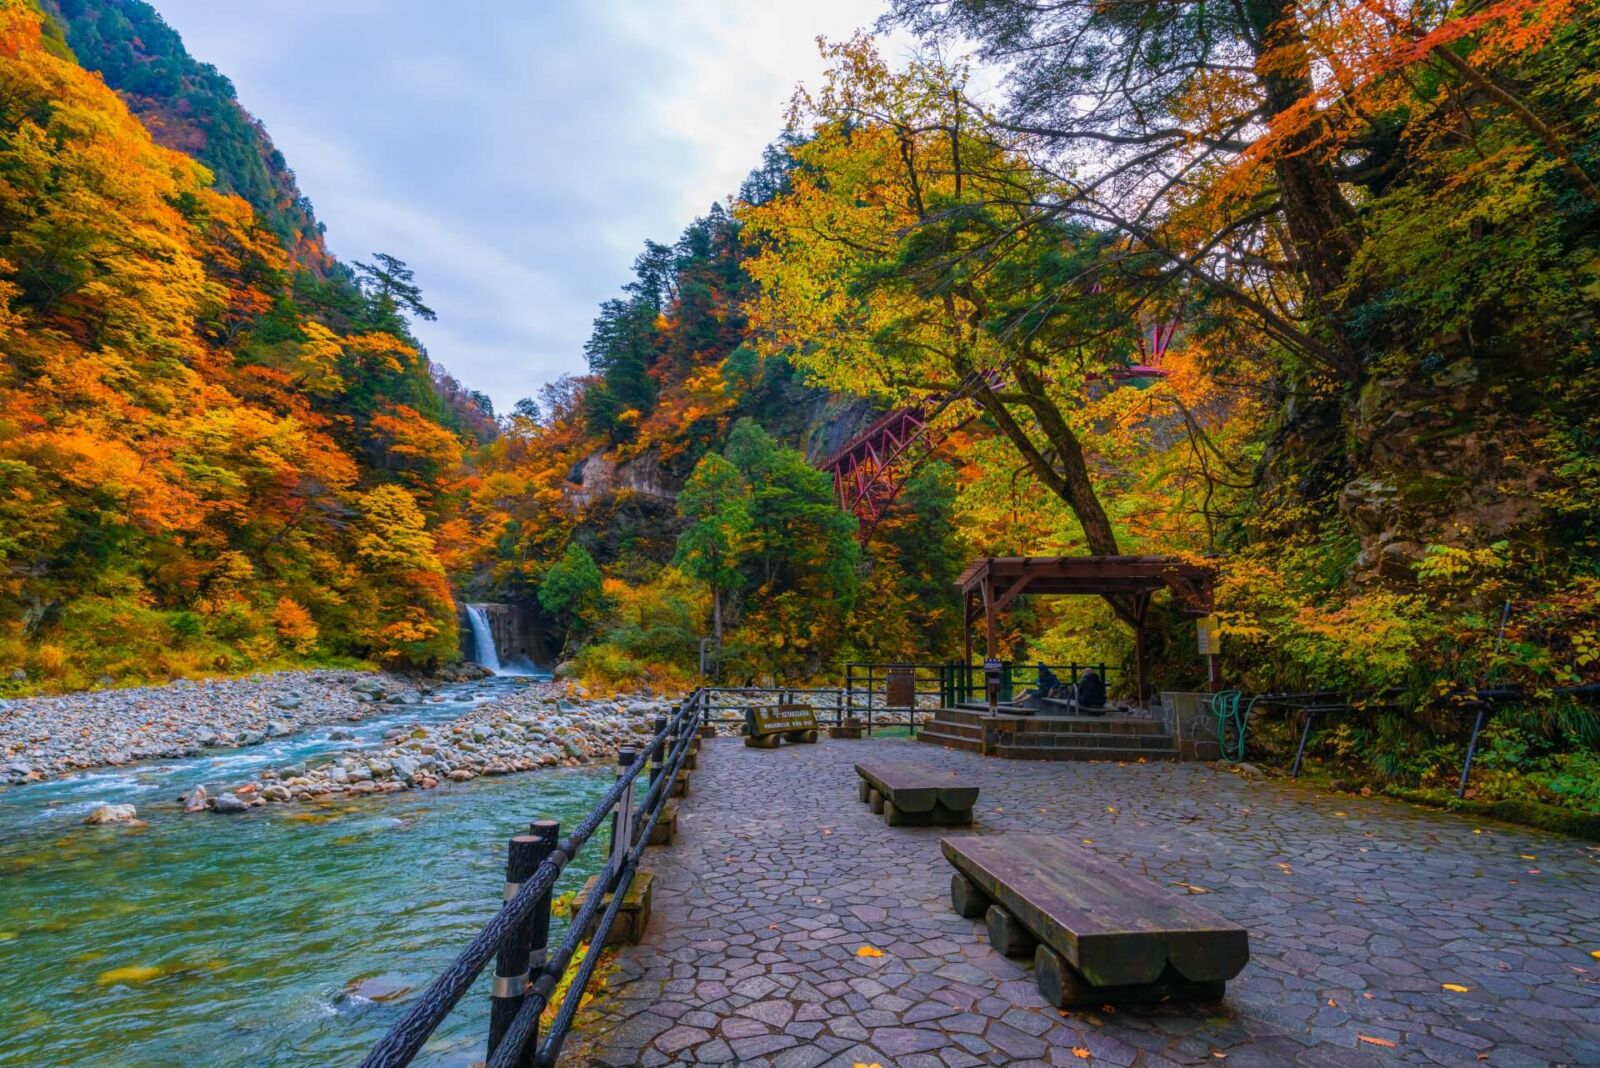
(228, 803)
(113, 814)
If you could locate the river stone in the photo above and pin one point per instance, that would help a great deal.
(276, 728)
(113, 814)
(194, 800)
(275, 792)
(341, 734)
(288, 701)
(226, 802)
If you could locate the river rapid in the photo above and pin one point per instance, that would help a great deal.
(289, 935)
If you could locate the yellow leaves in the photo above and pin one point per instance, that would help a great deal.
(1454, 988)
(1081, 1052)
(294, 625)
(1595, 953)
(869, 951)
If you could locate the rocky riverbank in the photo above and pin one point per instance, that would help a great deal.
(535, 727)
(45, 737)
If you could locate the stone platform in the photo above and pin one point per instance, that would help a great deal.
(1359, 911)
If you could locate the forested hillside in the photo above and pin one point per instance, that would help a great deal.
(671, 494)
(1361, 241)
(217, 446)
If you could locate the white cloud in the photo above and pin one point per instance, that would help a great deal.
(517, 156)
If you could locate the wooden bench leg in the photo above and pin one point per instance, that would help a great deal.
(1063, 987)
(799, 737)
(1008, 937)
(966, 898)
(875, 799)
(864, 791)
(950, 817)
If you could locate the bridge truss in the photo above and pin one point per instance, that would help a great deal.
(873, 467)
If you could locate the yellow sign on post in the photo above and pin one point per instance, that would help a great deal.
(1209, 630)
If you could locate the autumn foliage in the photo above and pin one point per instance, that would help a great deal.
(183, 481)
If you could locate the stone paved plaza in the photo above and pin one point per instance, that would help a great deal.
(1358, 911)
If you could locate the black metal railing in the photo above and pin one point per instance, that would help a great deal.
(964, 683)
(516, 938)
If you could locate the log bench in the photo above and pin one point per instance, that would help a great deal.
(910, 794)
(1097, 936)
(764, 727)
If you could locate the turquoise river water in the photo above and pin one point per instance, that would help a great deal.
(290, 935)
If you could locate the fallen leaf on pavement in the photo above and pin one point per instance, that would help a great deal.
(1384, 1042)
(1454, 988)
(869, 951)
(1081, 1052)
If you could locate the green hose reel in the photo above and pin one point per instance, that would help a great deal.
(1231, 723)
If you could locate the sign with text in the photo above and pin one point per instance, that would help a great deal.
(902, 687)
(780, 719)
(1209, 630)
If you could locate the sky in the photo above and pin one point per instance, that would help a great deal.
(516, 155)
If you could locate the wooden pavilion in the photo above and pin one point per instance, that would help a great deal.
(1127, 583)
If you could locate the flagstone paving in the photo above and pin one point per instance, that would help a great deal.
(1358, 911)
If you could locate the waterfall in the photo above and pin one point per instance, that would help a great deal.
(484, 618)
(483, 650)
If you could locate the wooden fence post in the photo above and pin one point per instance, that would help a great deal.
(512, 965)
(621, 819)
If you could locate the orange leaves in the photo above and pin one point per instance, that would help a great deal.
(1373, 1041)
(869, 951)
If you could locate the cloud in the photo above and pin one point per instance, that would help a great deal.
(516, 155)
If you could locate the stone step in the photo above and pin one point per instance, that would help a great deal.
(950, 719)
(964, 730)
(949, 741)
(1079, 740)
(1056, 752)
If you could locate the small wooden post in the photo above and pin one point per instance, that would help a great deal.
(658, 755)
(622, 818)
(513, 964)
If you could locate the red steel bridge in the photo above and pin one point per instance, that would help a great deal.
(872, 468)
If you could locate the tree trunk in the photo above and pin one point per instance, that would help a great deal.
(716, 614)
(1320, 221)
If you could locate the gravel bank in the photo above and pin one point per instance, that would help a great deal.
(535, 727)
(44, 737)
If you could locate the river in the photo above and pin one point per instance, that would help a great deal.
(290, 935)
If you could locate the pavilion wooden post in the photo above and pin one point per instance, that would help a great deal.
(991, 646)
(966, 631)
(1141, 604)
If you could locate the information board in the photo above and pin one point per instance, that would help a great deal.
(780, 719)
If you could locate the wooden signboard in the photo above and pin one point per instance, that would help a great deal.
(902, 688)
(780, 719)
(1209, 631)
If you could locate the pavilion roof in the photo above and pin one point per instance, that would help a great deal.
(1014, 576)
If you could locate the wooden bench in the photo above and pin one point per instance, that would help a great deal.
(1097, 935)
(910, 794)
(792, 723)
